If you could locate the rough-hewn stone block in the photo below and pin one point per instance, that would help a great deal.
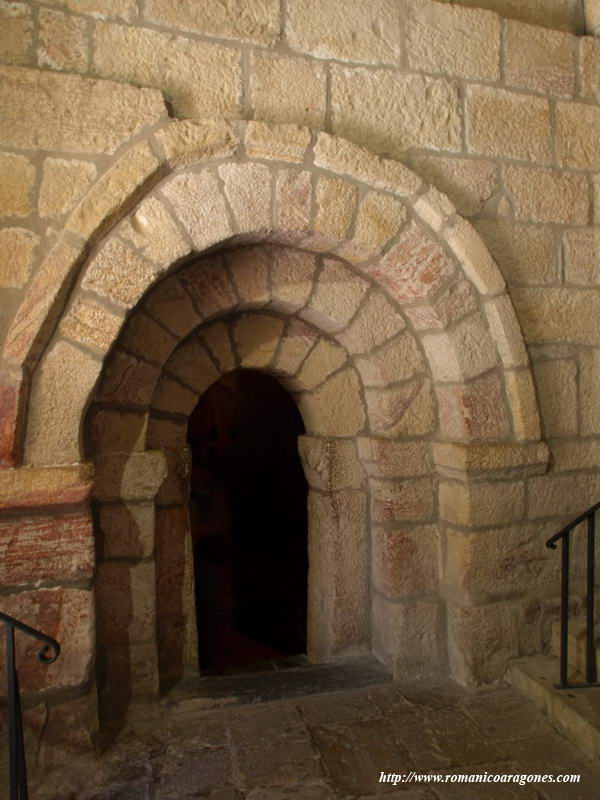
(589, 375)
(63, 185)
(199, 204)
(200, 78)
(209, 285)
(126, 602)
(64, 112)
(248, 189)
(152, 230)
(562, 14)
(257, 337)
(405, 636)
(526, 254)
(128, 380)
(406, 500)
(325, 357)
(501, 123)
(63, 41)
(353, 32)
(540, 59)
(125, 10)
(453, 40)
(376, 321)
(293, 200)
(542, 195)
(113, 431)
(336, 298)
(468, 182)
(16, 29)
(406, 409)
(473, 505)
(192, 366)
(186, 142)
(257, 21)
(557, 392)
(129, 476)
(582, 256)
(589, 67)
(397, 360)
(477, 409)
(143, 337)
(17, 183)
(330, 464)
(44, 488)
(383, 458)
(118, 273)
(335, 408)
(390, 112)
(17, 248)
(91, 324)
(281, 142)
(172, 306)
(296, 342)
(287, 89)
(405, 560)
(250, 267)
(551, 496)
(577, 135)
(558, 315)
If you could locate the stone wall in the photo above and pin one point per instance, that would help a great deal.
(497, 114)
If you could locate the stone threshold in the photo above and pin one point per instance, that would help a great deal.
(574, 712)
(281, 682)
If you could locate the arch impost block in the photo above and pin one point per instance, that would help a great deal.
(129, 476)
(490, 460)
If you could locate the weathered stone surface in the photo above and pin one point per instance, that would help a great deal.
(557, 392)
(17, 248)
(325, 357)
(505, 331)
(113, 431)
(541, 195)
(572, 454)
(523, 404)
(336, 298)
(218, 341)
(581, 255)
(335, 203)
(209, 285)
(248, 189)
(540, 59)
(258, 22)
(91, 324)
(477, 263)
(63, 41)
(66, 615)
(118, 273)
(128, 380)
(558, 315)
(166, 433)
(463, 352)
(186, 142)
(200, 78)
(469, 183)
(45, 487)
(293, 200)
(458, 300)
(16, 27)
(296, 342)
(551, 496)
(457, 41)
(126, 601)
(406, 500)
(577, 135)
(379, 218)
(58, 398)
(199, 204)
(330, 464)
(335, 408)
(397, 360)
(477, 409)
(191, 365)
(256, 337)
(472, 505)
(287, 89)
(292, 276)
(346, 158)
(143, 337)
(173, 398)
(507, 124)
(172, 306)
(561, 14)
(125, 10)
(476, 460)
(337, 611)
(589, 67)
(129, 476)
(405, 560)
(39, 547)
(405, 409)
(116, 186)
(175, 489)
(357, 32)
(16, 190)
(249, 267)
(152, 230)
(415, 267)
(64, 112)
(526, 254)
(589, 374)
(279, 142)
(63, 185)
(376, 321)
(410, 629)
(382, 458)
(390, 112)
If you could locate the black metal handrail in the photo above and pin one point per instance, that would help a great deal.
(17, 763)
(591, 667)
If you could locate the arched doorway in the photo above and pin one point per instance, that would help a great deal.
(248, 521)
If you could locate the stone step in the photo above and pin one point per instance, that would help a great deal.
(574, 712)
(576, 643)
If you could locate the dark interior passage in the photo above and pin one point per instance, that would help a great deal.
(249, 522)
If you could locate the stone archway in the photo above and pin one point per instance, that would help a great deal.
(386, 247)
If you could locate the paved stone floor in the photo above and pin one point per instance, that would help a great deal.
(334, 746)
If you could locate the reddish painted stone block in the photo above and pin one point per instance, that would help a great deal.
(44, 547)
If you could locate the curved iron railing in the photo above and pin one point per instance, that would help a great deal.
(591, 668)
(48, 653)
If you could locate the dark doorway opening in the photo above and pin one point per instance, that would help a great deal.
(248, 513)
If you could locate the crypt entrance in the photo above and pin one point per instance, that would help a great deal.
(248, 523)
